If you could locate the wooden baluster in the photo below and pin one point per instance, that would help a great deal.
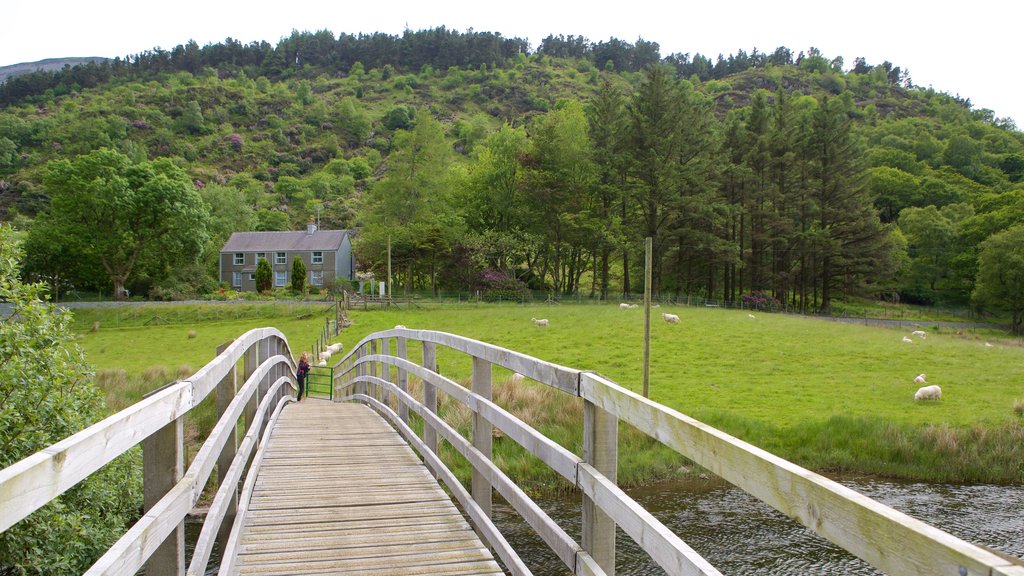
(403, 378)
(251, 361)
(385, 370)
(375, 391)
(163, 465)
(600, 450)
(430, 394)
(483, 433)
(226, 390)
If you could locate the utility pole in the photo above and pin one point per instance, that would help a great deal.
(389, 269)
(648, 263)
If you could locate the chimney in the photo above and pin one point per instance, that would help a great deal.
(310, 228)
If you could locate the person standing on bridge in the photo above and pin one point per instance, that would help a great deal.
(300, 373)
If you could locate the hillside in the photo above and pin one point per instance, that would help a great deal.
(530, 165)
(47, 65)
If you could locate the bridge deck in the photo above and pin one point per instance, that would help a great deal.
(340, 491)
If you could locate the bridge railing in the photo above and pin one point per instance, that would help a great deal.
(370, 373)
(156, 541)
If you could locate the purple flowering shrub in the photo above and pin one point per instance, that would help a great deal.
(760, 300)
(497, 285)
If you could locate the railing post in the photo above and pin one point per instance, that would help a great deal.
(360, 371)
(163, 465)
(430, 394)
(226, 390)
(251, 361)
(600, 450)
(403, 379)
(375, 393)
(483, 433)
(385, 371)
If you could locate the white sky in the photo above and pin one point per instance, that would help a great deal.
(965, 48)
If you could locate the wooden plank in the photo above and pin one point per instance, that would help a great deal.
(885, 538)
(342, 505)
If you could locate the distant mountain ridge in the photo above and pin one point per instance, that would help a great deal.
(46, 65)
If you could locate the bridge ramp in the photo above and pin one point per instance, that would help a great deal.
(339, 491)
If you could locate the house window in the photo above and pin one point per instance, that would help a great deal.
(260, 255)
(252, 276)
(316, 278)
(280, 278)
(280, 258)
(239, 258)
(236, 279)
(317, 258)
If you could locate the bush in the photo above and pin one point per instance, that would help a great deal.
(497, 286)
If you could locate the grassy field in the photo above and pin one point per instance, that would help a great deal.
(829, 396)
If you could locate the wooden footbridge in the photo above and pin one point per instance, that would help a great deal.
(352, 483)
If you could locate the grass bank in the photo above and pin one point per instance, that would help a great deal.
(828, 396)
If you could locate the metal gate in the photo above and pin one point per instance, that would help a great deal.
(320, 382)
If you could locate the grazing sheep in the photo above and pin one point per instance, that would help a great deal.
(670, 318)
(325, 355)
(751, 316)
(322, 363)
(918, 333)
(516, 378)
(932, 392)
(623, 306)
(399, 326)
(987, 345)
(920, 379)
(539, 321)
(632, 306)
(908, 340)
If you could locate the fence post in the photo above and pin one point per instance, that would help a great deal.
(372, 366)
(251, 361)
(483, 433)
(430, 394)
(600, 450)
(163, 465)
(226, 390)
(385, 370)
(403, 378)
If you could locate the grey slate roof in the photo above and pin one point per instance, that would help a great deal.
(300, 241)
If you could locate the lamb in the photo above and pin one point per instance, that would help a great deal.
(988, 345)
(908, 340)
(670, 318)
(334, 348)
(325, 355)
(918, 333)
(515, 378)
(399, 327)
(751, 316)
(920, 379)
(540, 321)
(932, 392)
(632, 306)
(623, 306)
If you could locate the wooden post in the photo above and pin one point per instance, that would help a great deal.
(483, 433)
(430, 394)
(226, 390)
(385, 370)
(403, 378)
(648, 262)
(600, 450)
(251, 361)
(163, 465)
(375, 391)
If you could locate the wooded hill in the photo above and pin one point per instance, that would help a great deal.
(495, 168)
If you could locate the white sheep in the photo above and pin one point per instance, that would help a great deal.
(918, 333)
(751, 316)
(623, 306)
(632, 306)
(516, 378)
(322, 363)
(334, 348)
(920, 379)
(988, 345)
(670, 318)
(539, 321)
(908, 340)
(325, 355)
(932, 392)
(399, 327)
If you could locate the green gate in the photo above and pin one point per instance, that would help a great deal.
(320, 382)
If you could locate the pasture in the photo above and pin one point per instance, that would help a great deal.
(829, 396)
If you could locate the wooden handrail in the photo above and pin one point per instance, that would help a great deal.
(889, 540)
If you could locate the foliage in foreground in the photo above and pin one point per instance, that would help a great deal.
(45, 396)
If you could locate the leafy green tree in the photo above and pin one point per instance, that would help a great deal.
(48, 396)
(1000, 282)
(272, 221)
(124, 214)
(298, 274)
(930, 238)
(264, 276)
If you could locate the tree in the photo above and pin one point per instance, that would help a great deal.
(123, 213)
(1000, 282)
(47, 396)
(264, 276)
(298, 274)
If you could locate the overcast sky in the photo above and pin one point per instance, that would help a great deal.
(965, 48)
